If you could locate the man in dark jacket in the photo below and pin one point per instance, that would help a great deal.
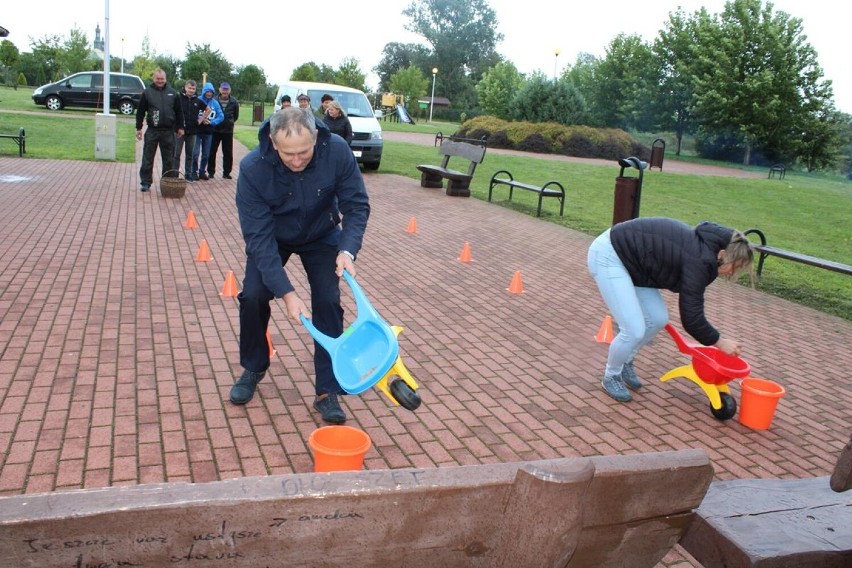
(636, 259)
(194, 112)
(223, 133)
(164, 118)
(291, 192)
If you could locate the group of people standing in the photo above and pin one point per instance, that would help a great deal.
(333, 114)
(186, 123)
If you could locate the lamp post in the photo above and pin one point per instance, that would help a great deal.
(432, 102)
(122, 54)
(555, 60)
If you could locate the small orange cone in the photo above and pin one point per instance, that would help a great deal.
(229, 290)
(412, 225)
(516, 287)
(465, 255)
(272, 351)
(203, 252)
(191, 222)
(605, 332)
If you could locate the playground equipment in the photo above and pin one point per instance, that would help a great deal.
(367, 353)
(711, 369)
(393, 108)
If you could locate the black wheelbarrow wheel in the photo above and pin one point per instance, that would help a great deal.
(729, 407)
(405, 395)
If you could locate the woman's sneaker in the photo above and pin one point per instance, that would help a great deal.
(630, 378)
(615, 388)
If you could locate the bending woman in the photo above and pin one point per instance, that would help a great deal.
(634, 260)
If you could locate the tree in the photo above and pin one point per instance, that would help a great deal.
(46, 52)
(309, 71)
(250, 83)
(763, 81)
(621, 88)
(463, 37)
(218, 68)
(498, 88)
(74, 55)
(143, 64)
(582, 75)
(542, 100)
(411, 84)
(9, 56)
(396, 56)
(349, 74)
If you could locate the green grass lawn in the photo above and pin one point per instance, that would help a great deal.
(807, 213)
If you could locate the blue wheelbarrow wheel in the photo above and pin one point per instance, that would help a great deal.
(729, 407)
(405, 395)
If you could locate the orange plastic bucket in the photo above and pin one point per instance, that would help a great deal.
(758, 402)
(339, 448)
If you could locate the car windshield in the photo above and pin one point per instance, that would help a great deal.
(355, 104)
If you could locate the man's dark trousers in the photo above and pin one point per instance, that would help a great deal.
(227, 141)
(318, 259)
(164, 138)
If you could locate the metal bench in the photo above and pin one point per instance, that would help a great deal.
(763, 250)
(550, 189)
(777, 169)
(458, 183)
(20, 139)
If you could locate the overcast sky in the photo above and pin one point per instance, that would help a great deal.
(280, 35)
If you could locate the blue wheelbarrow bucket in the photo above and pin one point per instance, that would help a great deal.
(366, 350)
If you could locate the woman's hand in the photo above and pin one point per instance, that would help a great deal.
(729, 346)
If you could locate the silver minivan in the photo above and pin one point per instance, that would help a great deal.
(367, 143)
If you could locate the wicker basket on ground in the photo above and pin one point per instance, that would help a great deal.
(172, 186)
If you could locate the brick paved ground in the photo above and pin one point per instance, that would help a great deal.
(117, 350)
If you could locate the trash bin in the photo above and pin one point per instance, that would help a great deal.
(658, 151)
(628, 190)
(258, 112)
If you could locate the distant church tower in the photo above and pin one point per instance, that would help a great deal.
(99, 42)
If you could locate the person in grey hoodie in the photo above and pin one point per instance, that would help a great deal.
(204, 137)
(299, 192)
(634, 260)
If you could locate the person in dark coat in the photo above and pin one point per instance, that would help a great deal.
(223, 133)
(194, 112)
(159, 108)
(337, 121)
(634, 260)
(299, 192)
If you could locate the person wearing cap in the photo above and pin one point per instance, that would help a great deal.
(223, 133)
(299, 193)
(286, 101)
(304, 101)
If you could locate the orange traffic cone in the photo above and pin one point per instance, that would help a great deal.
(272, 351)
(229, 290)
(516, 287)
(465, 255)
(605, 332)
(412, 225)
(191, 222)
(203, 252)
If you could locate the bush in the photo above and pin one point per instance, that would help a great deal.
(553, 138)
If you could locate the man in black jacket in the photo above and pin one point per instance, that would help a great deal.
(164, 118)
(224, 133)
(195, 110)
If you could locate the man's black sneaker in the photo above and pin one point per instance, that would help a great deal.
(226, 176)
(243, 389)
(329, 408)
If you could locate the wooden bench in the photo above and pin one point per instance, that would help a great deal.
(777, 169)
(764, 251)
(458, 183)
(601, 511)
(550, 189)
(20, 139)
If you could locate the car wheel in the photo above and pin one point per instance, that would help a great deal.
(371, 165)
(53, 103)
(126, 107)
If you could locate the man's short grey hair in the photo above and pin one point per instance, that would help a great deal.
(292, 121)
(191, 83)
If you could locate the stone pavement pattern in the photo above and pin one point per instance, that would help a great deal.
(117, 350)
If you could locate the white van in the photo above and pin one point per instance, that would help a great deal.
(366, 131)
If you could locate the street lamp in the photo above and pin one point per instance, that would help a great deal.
(555, 60)
(432, 102)
(122, 54)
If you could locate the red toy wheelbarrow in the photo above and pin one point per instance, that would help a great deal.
(711, 369)
(367, 353)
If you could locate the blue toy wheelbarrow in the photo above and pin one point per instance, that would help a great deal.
(367, 353)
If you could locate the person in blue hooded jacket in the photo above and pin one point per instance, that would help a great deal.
(204, 136)
(292, 190)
